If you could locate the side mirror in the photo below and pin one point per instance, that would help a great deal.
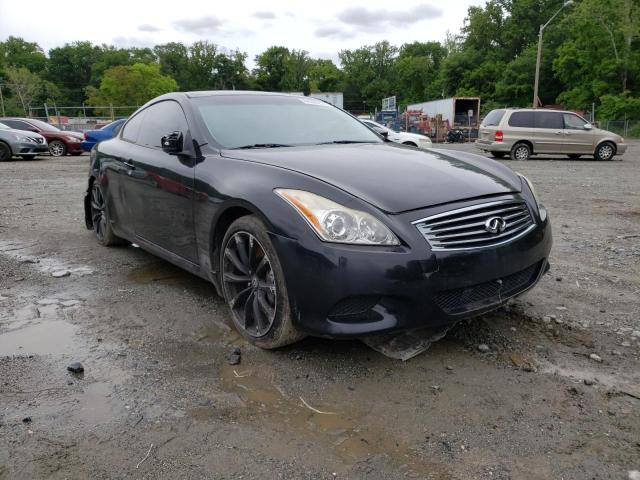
(588, 126)
(385, 134)
(172, 143)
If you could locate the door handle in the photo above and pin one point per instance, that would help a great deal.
(130, 164)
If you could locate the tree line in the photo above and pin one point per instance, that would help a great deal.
(591, 55)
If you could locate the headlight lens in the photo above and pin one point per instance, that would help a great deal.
(23, 138)
(530, 185)
(336, 223)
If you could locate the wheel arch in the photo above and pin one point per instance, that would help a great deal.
(88, 220)
(527, 142)
(233, 210)
(607, 140)
(410, 143)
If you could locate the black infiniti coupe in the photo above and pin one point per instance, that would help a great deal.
(309, 223)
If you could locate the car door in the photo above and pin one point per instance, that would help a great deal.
(548, 132)
(577, 138)
(159, 190)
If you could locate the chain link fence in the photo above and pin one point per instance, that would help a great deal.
(80, 118)
(626, 128)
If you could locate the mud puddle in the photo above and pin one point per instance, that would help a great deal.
(26, 253)
(56, 337)
(339, 426)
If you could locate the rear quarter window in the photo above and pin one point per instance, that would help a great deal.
(521, 119)
(493, 118)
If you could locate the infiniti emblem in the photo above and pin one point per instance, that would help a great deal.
(495, 225)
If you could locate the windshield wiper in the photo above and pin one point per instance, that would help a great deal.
(344, 141)
(262, 145)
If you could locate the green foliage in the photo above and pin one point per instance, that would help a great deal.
(590, 53)
(271, 69)
(621, 106)
(130, 85)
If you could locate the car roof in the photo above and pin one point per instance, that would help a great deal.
(516, 109)
(212, 93)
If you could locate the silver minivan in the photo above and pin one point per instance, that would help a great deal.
(520, 133)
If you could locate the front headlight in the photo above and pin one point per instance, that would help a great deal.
(336, 223)
(23, 138)
(530, 185)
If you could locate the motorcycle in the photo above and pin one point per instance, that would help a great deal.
(454, 136)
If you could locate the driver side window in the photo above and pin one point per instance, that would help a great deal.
(573, 122)
(161, 119)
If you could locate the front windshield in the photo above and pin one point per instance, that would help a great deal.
(4, 127)
(237, 121)
(44, 125)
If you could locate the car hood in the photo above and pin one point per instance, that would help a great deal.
(392, 177)
(73, 134)
(417, 136)
(26, 133)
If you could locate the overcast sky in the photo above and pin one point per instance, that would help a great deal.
(323, 28)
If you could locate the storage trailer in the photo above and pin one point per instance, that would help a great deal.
(460, 112)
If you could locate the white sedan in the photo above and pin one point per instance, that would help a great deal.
(411, 139)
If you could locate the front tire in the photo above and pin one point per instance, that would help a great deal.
(57, 148)
(100, 219)
(28, 157)
(410, 144)
(521, 151)
(498, 154)
(5, 152)
(605, 151)
(253, 285)
(574, 156)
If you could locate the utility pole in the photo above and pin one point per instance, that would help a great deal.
(536, 82)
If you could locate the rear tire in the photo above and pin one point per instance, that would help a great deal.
(605, 151)
(521, 151)
(100, 219)
(253, 285)
(498, 154)
(5, 152)
(57, 148)
(28, 157)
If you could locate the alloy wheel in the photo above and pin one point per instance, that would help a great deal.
(605, 152)
(98, 215)
(521, 153)
(249, 284)
(56, 149)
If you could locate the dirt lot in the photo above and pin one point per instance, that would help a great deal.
(556, 396)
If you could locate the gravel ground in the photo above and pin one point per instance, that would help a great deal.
(555, 395)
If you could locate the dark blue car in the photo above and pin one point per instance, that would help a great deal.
(92, 137)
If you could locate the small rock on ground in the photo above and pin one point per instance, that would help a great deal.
(483, 347)
(75, 367)
(233, 358)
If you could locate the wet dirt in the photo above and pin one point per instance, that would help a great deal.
(153, 340)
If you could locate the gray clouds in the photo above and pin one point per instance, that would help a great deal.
(200, 26)
(264, 15)
(367, 19)
(334, 32)
(148, 28)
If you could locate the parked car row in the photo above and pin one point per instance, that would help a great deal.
(28, 137)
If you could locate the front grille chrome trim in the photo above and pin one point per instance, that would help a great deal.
(445, 231)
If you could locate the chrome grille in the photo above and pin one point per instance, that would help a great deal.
(466, 228)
